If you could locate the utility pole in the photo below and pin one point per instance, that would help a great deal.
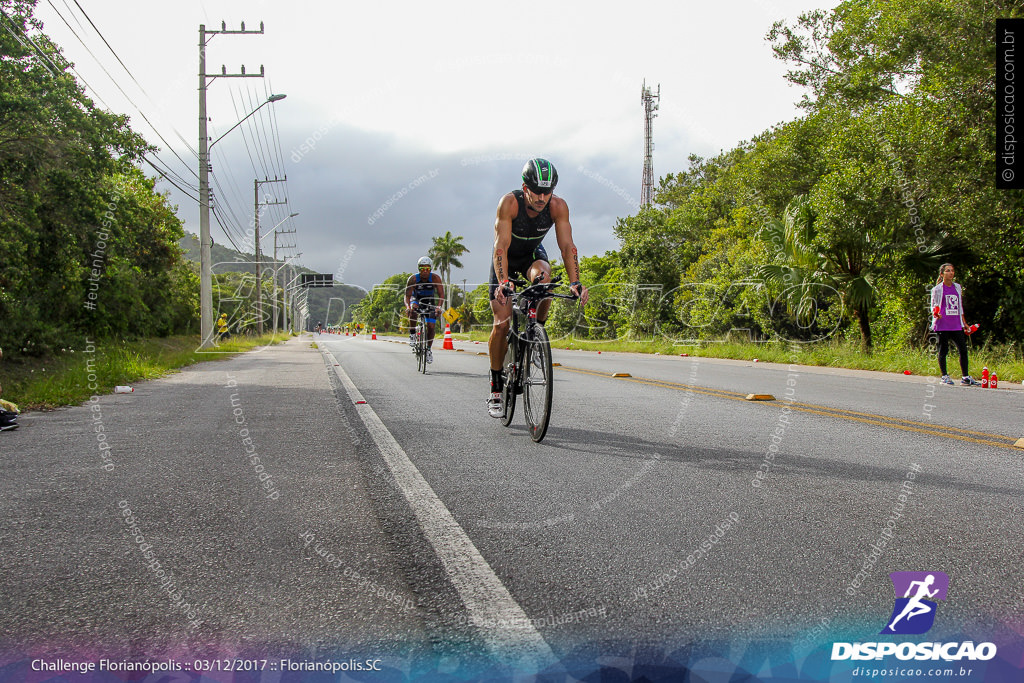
(283, 246)
(289, 299)
(650, 106)
(256, 224)
(205, 269)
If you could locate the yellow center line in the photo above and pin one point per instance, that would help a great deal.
(866, 418)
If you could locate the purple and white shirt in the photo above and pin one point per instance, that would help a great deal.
(950, 301)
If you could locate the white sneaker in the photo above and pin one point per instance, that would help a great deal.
(430, 356)
(946, 379)
(494, 405)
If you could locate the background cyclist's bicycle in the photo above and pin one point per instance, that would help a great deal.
(420, 341)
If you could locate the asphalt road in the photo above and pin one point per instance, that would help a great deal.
(412, 523)
(636, 473)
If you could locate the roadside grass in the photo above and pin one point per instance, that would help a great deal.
(46, 383)
(1006, 360)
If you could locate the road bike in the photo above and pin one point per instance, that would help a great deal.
(527, 364)
(421, 341)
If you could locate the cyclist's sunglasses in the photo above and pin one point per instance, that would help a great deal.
(424, 267)
(539, 193)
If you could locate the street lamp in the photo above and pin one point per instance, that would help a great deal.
(290, 216)
(205, 272)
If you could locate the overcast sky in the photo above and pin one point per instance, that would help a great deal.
(417, 117)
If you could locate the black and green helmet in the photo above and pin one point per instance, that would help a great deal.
(540, 175)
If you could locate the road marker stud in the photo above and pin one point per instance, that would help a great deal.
(1019, 443)
(359, 403)
(760, 397)
(621, 374)
(481, 353)
(556, 365)
(460, 349)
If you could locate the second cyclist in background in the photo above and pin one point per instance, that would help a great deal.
(425, 291)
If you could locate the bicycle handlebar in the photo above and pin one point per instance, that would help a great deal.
(540, 290)
(416, 306)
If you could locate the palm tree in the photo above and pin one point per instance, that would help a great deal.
(805, 268)
(446, 252)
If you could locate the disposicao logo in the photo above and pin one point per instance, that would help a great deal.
(914, 613)
(916, 595)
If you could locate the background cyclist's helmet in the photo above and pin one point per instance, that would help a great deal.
(540, 176)
(424, 261)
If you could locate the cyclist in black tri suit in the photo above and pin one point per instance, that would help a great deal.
(427, 290)
(524, 217)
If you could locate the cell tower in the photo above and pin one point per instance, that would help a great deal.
(650, 103)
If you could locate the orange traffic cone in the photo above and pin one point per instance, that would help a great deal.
(448, 338)
(374, 337)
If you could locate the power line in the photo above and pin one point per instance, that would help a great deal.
(26, 47)
(266, 139)
(277, 135)
(166, 177)
(73, 15)
(216, 217)
(247, 150)
(38, 50)
(118, 85)
(224, 203)
(167, 174)
(127, 70)
(257, 140)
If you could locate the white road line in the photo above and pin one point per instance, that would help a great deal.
(499, 619)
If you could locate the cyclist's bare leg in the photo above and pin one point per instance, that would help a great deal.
(541, 268)
(497, 345)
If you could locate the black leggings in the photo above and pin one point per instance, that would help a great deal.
(960, 339)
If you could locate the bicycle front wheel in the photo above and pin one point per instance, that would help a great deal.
(421, 351)
(537, 382)
(508, 389)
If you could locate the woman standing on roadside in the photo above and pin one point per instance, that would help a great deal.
(948, 322)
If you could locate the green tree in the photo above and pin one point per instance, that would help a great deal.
(87, 245)
(446, 252)
(922, 71)
(384, 306)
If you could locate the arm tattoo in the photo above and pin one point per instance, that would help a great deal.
(576, 261)
(500, 271)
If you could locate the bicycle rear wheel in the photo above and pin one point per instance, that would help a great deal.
(508, 389)
(537, 382)
(421, 351)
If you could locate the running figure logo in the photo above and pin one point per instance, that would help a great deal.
(916, 593)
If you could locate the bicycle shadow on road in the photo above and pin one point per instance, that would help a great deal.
(625, 446)
(785, 465)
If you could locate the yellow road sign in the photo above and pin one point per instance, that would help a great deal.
(451, 315)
